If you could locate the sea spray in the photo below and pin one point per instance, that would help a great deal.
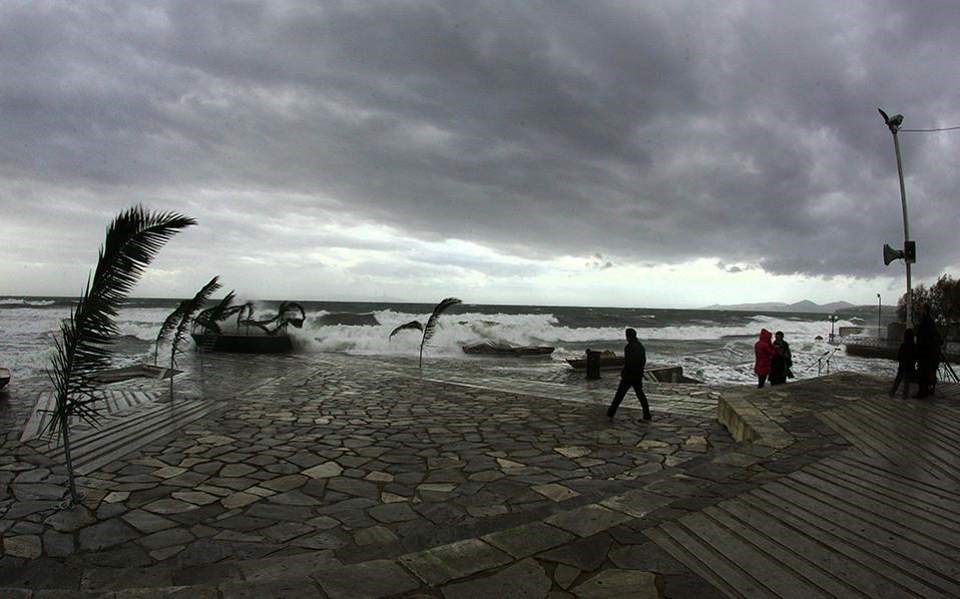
(714, 346)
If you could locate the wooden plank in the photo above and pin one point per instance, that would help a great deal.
(96, 462)
(904, 514)
(800, 553)
(93, 434)
(123, 431)
(768, 572)
(890, 535)
(684, 556)
(895, 492)
(38, 418)
(863, 434)
(92, 455)
(921, 431)
(855, 434)
(713, 566)
(882, 467)
(908, 576)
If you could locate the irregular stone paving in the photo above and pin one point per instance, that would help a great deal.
(393, 482)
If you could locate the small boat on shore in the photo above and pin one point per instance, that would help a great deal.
(4, 377)
(489, 348)
(244, 344)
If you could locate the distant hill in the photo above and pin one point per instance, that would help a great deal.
(801, 306)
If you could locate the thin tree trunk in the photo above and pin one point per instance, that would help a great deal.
(65, 434)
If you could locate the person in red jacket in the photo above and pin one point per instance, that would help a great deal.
(764, 351)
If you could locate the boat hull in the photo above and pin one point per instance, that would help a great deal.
(244, 344)
(4, 377)
(488, 349)
(607, 363)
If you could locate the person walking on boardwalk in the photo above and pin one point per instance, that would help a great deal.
(764, 351)
(906, 360)
(634, 361)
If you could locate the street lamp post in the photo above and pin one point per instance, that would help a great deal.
(893, 123)
(879, 312)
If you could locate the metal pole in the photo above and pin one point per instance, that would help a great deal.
(906, 224)
(879, 312)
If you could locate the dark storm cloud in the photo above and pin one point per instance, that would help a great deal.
(636, 131)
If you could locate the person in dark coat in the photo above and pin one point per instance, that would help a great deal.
(781, 362)
(634, 361)
(764, 351)
(928, 352)
(906, 361)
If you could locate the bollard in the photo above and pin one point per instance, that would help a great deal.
(593, 364)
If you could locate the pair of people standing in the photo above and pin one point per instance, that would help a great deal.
(772, 359)
(922, 357)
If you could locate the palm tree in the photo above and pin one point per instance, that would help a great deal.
(431, 325)
(133, 240)
(178, 320)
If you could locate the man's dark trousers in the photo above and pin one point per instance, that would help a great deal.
(625, 385)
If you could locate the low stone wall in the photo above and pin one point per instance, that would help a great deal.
(746, 421)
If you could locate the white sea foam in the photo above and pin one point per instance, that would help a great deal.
(456, 330)
(26, 334)
(19, 301)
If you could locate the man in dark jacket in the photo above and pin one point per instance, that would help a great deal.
(634, 361)
(927, 352)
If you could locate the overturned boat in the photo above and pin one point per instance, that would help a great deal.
(489, 348)
(248, 335)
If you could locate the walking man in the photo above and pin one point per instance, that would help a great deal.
(634, 361)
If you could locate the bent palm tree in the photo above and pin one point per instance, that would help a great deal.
(133, 240)
(429, 328)
(178, 320)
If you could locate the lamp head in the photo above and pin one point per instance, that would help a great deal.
(893, 122)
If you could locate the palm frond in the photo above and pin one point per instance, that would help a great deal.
(207, 319)
(132, 241)
(431, 325)
(169, 324)
(291, 313)
(413, 324)
(186, 310)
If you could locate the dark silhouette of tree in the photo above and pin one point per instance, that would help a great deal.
(83, 349)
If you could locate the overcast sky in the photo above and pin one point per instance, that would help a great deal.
(549, 152)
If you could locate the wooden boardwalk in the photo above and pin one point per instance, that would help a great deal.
(879, 520)
(92, 448)
(113, 404)
(131, 419)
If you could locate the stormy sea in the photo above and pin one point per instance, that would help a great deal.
(713, 346)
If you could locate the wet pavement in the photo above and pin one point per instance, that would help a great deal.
(351, 476)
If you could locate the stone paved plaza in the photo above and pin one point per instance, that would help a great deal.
(353, 477)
